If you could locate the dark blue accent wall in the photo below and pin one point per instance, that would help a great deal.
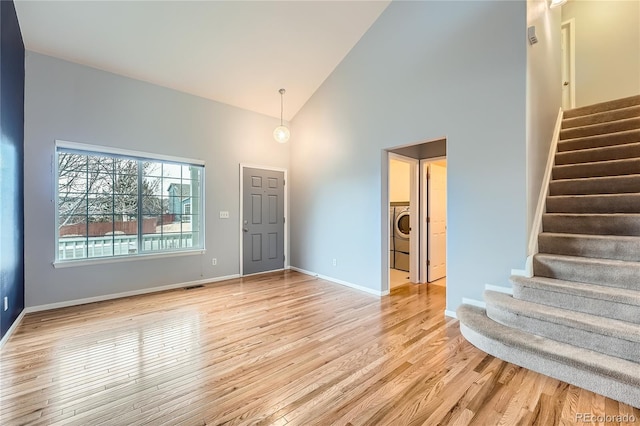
(11, 166)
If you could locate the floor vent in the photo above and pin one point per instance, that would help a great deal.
(194, 287)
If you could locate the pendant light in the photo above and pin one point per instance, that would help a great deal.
(281, 133)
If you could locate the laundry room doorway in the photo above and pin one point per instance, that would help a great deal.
(403, 238)
(415, 200)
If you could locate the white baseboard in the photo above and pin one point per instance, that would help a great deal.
(11, 329)
(499, 289)
(450, 314)
(341, 282)
(125, 294)
(474, 302)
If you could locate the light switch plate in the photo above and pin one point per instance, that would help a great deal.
(224, 215)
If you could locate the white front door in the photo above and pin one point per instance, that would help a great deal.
(437, 223)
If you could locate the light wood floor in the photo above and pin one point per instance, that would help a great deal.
(283, 348)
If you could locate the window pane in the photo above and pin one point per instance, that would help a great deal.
(152, 186)
(151, 168)
(99, 211)
(126, 204)
(172, 170)
(151, 205)
(72, 237)
(125, 184)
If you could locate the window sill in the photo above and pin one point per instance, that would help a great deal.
(117, 259)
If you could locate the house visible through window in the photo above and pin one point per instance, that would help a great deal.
(120, 203)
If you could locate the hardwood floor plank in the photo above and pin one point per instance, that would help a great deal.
(281, 348)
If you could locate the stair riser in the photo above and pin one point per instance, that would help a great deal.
(625, 276)
(587, 305)
(623, 203)
(574, 336)
(599, 141)
(617, 152)
(603, 117)
(622, 249)
(601, 129)
(603, 185)
(592, 225)
(618, 168)
(602, 107)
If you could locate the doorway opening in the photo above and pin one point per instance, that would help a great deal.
(415, 205)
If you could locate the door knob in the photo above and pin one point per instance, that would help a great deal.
(245, 229)
(566, 83)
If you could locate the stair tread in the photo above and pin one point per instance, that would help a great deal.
(598, 178)
(475, 318)
(605, 106)
(602, 150)
(592, 236)
(606, 162)
(597, 215)
(605, 123)
(595, 324)
(612, 294)
(600, 117)
(627, 136)
(589, 260)
(582, 196)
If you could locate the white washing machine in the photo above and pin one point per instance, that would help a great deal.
(401, 229)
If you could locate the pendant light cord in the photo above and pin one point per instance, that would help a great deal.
(281, 104)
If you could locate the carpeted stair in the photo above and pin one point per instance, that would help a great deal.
(578, 317)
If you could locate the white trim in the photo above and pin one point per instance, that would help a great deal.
(450, 314)
(474, 302)
(125, 152)
(341, 282)
(86, 300)
(286, 214)
(522, 272)
(12, 329)
(536, 227)
(499, 289)
(124, 258)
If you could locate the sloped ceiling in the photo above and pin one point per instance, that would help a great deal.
(235, 52)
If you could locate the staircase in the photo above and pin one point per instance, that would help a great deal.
(578, 318)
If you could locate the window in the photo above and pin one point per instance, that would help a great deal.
(121, 203)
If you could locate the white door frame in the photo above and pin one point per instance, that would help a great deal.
(286, 212)
(571, 25)
(424, 210)
(414, 210)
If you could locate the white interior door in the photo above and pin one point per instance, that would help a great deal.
(437, 223)
(567, 65)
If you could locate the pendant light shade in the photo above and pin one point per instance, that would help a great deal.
(281, 133)
(556, 3)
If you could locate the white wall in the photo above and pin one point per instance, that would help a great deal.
(544, 95)
(80, 104)
(399, 180)
(424, 71)
(607, 48)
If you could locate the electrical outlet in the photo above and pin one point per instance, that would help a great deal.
(335, 262)
(6, 303)
(224, 215)
(214, 261)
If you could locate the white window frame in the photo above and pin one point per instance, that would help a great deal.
(103, 150)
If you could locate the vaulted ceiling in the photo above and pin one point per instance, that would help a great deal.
(235, 52)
